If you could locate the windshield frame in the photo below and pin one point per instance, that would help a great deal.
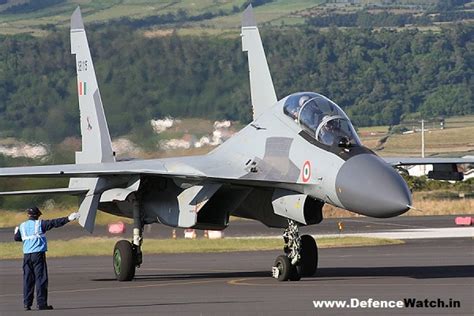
(322, 110)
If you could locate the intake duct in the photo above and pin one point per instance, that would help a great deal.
(298, 207)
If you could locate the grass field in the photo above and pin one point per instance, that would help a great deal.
(90, 246)
(99, 11)
(457, 139)
(276, 13)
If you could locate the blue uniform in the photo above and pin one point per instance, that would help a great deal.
(35, 270)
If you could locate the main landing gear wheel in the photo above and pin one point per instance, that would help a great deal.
(124, 260)
(309, 257)
(301, 259)
(128, 256)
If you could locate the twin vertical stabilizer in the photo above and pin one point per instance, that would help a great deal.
(261, 84)
(96, 142)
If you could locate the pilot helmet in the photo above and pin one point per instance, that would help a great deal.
(303, 100)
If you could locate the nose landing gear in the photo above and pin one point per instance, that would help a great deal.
(301, 259)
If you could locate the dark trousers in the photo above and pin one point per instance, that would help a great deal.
(35, 272)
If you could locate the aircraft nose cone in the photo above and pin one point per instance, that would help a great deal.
(368, 185)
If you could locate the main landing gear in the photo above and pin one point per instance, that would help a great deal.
(301, 256)
(128, 256)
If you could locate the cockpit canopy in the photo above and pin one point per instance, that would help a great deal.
(321, 118)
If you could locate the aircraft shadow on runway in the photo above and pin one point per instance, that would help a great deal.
(157, 304)
(415, 272)
(192, 276)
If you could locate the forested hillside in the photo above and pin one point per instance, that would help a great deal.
(377, 76)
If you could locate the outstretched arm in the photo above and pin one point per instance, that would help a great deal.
(53, 223)
(58, 222)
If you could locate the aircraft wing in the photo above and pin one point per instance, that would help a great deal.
(403, 161)
(443, 168)
(195, 168)
(94, 170)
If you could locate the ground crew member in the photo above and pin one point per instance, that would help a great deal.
(35, 272)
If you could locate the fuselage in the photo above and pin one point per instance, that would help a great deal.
(294, 152)
(289, 146)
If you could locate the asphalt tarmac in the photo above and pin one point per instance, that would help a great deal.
(240, 283)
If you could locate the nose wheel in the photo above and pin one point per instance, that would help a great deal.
(301, 256)
(283, 270)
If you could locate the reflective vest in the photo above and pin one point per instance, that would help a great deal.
(33, 237)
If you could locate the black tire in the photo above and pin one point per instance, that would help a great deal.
(309, 257)
(282, 263)
(294, 274)
(124, 261)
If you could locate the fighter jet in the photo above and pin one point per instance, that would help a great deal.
(297, 154)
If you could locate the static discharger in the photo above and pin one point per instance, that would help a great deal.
(414, 208)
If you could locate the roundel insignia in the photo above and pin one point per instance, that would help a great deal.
(306, 173)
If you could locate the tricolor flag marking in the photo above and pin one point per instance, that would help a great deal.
(306, 172)
(82, 88)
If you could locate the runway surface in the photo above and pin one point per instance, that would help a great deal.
(242, 228)
(240, 283)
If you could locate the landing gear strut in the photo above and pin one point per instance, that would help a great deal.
(301, 259)
(128, 256)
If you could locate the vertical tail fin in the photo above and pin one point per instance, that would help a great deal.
(261, 84)
(96, 143)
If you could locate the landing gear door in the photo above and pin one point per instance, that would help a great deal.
(191, 202)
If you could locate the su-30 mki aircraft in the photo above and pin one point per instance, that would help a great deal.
(298, 153)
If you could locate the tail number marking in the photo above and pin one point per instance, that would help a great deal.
(82, 65)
